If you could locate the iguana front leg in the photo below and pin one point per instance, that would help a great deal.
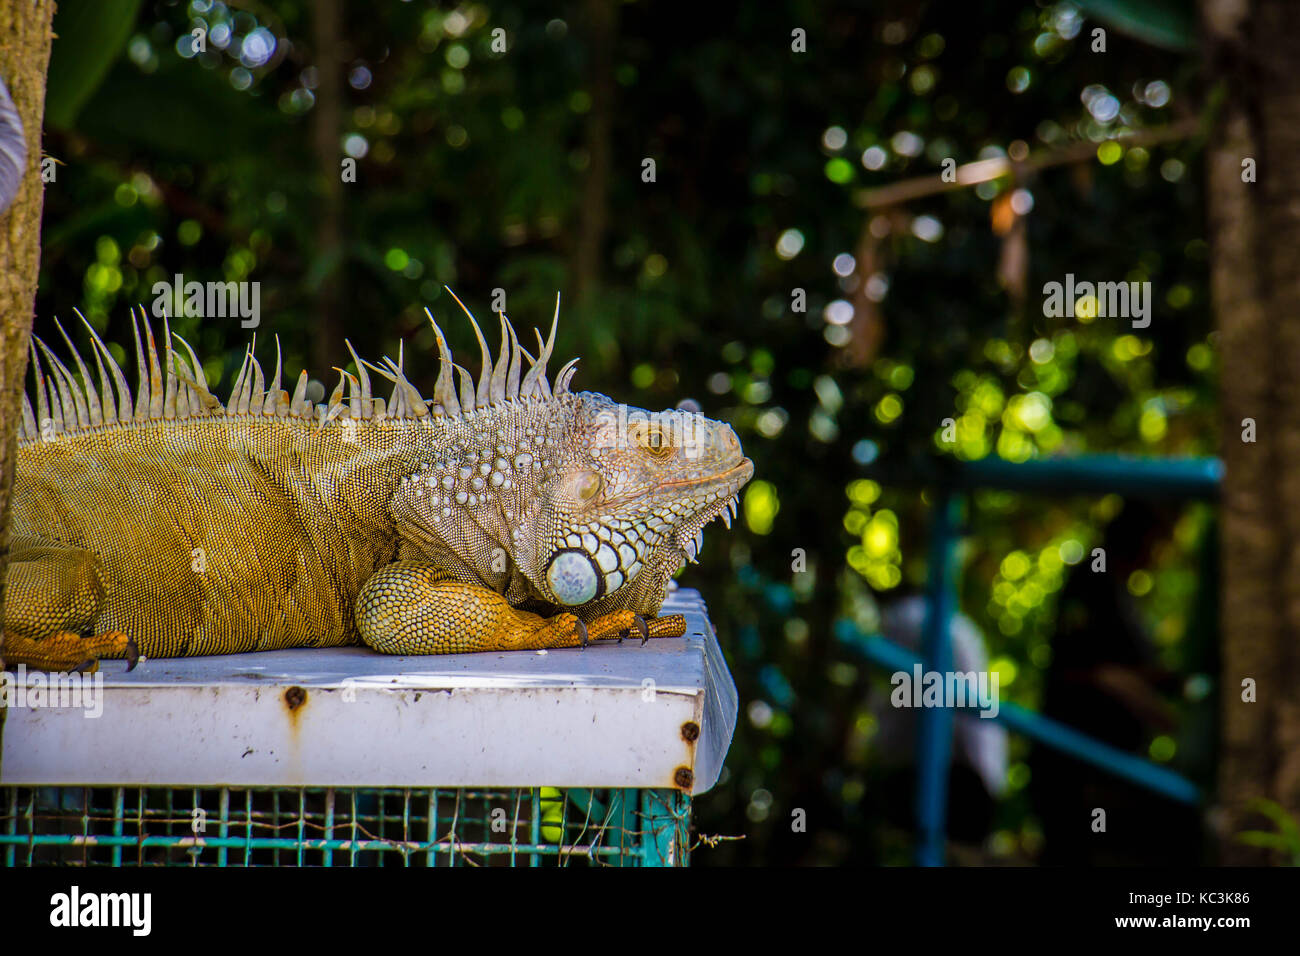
(413, 608)
(53, 596)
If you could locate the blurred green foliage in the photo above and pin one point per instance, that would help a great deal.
(471, 166)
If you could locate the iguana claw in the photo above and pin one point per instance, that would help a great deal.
(617, 625)
(581, 628)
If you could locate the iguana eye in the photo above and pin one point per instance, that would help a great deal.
(588, 485)
(653, 440)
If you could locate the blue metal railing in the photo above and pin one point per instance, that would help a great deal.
(1095, 474)
(1085, 474)
(935, 724)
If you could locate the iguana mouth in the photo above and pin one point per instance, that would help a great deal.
(723, 478)
(745, 465)
(689, 536)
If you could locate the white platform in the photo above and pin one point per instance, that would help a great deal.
(608, 716)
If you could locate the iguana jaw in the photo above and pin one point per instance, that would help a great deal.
(719, 496)
(687, 505)
(669, 549)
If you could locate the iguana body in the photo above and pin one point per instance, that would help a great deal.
(502, 514)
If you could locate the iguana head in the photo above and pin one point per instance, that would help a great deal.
(544, 494)
(627, 501)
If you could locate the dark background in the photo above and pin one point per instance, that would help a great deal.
(522, 171)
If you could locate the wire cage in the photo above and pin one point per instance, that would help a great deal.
(342, 757)
(319, 826)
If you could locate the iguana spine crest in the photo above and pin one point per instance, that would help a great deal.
(65, 406)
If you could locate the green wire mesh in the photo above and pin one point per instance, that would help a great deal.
(315, 826)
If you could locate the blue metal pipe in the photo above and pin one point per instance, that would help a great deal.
(934, 732)
(1095, 474)
(1042, 729)
(1080, 474)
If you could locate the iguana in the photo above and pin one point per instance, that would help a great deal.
(503, 513)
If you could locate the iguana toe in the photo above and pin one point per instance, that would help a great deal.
(617, 625)
(69, 651)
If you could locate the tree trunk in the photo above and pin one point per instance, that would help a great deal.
(593, 216)
(1254, 230)
(25, 37)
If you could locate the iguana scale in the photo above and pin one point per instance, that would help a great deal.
(504, 513)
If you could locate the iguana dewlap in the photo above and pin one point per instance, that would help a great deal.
(503, 514)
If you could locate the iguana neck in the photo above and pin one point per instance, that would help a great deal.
(467, 490)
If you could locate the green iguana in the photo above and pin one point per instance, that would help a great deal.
(503, 514)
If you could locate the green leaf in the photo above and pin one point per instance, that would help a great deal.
(1262, 838)
(185, 112)
(102, 218)
(89, 36)
(1286, 825)
(1168, 24)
